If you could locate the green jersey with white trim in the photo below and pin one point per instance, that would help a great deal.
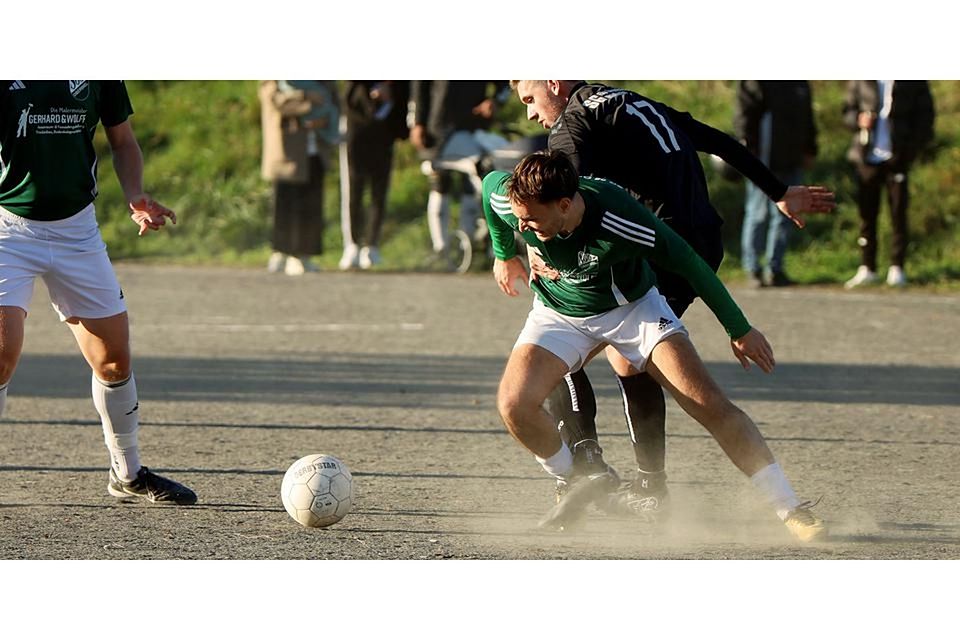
(48, 166)
(603, 262)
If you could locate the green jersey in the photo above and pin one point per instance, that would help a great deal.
(603, 262)
(48, 166)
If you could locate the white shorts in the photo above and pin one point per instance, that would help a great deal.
(633, 329)
(69, 255)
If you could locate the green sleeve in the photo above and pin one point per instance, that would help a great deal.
(672, 252)
(685, 261)
(501, 233)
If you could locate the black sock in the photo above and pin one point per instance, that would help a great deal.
(574, 407)
(646, 414)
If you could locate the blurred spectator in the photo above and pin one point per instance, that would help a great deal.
(892, 121)
(375, 114)
(300, 124)
(440, 109)
(774, 120)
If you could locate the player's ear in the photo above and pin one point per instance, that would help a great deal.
(553, 86)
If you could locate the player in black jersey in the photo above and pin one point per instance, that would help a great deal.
(651, 150)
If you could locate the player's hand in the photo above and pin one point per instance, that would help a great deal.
(149, 214)
(754, 346)
(800, 199)
(485, 109)
(539, 268)
(506, 272)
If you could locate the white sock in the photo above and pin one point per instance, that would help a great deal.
(117, 405)
(776, 489)
(3, 399)
(438, 219)
(559, 464)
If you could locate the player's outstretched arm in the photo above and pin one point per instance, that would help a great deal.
(801, 199)
(754, 346)
(128, 164)
(506, 272)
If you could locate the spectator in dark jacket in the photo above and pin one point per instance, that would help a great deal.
(774, 120)
(375, 115)
(892, 121)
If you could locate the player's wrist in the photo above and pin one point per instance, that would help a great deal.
(138, 199)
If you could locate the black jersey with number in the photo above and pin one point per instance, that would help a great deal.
(651, 150)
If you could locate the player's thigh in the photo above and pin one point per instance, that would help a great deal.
(676, 365)
(562, 336)
(549, 343)
(635, 329)
(105, 344)
(620, 365)
(12, 320)
(23, 257)
(531, 374)
(81, 280)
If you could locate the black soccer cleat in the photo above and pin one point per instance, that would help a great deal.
(587, 460)
(646, 497)
(151, 487)
(581, 491)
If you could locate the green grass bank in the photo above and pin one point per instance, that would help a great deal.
(201, 143)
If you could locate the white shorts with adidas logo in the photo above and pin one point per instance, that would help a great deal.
(69, 255)
(633, 329)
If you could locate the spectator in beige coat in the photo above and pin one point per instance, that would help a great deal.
(300, 122)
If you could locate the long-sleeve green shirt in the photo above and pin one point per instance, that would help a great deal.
(603, 263)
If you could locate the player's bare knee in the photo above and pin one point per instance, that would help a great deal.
(514, 407)
(114, 370)
(508, 404)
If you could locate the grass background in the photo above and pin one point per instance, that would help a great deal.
(201, 144)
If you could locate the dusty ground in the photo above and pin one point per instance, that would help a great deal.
(240, 373)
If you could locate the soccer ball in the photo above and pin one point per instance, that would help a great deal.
(317, 490)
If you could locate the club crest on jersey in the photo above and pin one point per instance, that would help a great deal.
(79, 88)
(587, 261)
(588, 265)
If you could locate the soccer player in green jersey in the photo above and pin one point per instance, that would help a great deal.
(600, 240)
(48, 229)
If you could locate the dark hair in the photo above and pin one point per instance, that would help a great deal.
(543, 177)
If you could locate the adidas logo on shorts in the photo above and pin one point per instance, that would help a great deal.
(664, 323)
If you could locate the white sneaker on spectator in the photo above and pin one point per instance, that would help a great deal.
(896, 277)
(369, 257)
(351, 257)
(276, 261)
(298, 266)
(862, 277)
